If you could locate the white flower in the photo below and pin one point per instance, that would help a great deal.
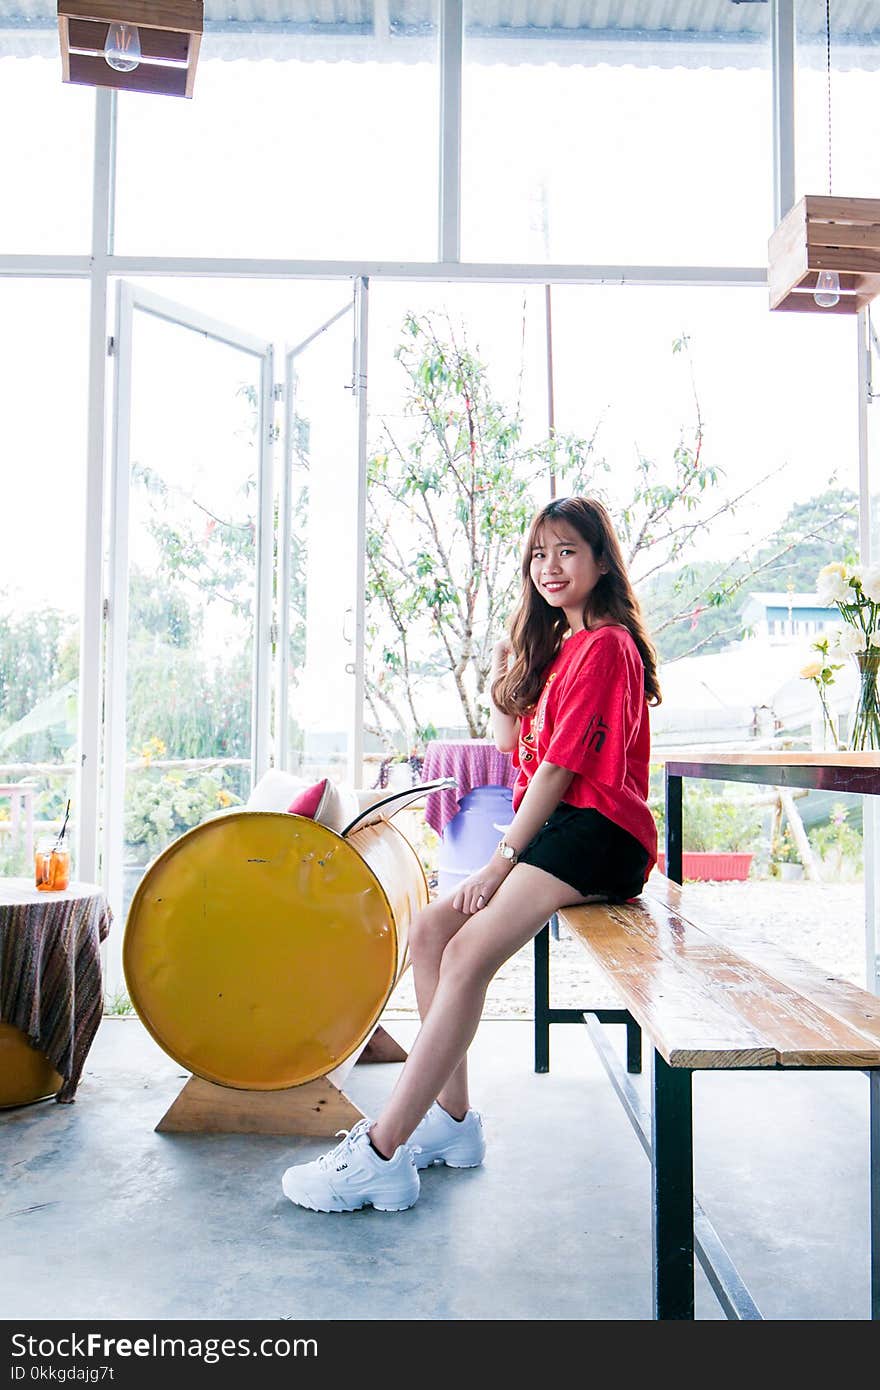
(850, 640)
(833, 588)
(871, 583)
(836, 567)
(874, 639)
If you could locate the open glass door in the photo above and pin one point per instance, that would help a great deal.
(320, 555)
(189, 641)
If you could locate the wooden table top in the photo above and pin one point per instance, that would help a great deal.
(782, 757)
(857, 774)
(706, 1006)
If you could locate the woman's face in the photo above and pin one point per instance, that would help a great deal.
(564, 570)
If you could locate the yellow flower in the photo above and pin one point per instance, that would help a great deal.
(224, 798)
(811, 670)
(153, 748)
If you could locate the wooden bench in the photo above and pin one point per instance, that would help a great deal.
(704, 1005)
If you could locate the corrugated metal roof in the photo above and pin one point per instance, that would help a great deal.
(849, 17)
(683, 32)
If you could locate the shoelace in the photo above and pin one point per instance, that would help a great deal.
(329, 1160)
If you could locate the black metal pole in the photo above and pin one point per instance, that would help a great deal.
(674, 832)
(542, 999)
(874, 1179)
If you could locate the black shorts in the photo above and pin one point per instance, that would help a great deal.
(590, 853)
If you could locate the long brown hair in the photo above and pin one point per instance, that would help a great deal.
(537, 629)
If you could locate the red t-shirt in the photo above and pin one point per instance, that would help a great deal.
(592, 718)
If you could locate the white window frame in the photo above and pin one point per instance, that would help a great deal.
(130, 298)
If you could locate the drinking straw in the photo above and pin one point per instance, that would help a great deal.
(63, 828)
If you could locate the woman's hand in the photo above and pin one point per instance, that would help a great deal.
(477, 891)
(501, 654)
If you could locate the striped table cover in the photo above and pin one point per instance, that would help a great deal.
(50, 970)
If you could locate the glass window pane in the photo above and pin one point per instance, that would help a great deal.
(438, 594)
(316, 142)
(697, 379)
(651, 388)
(855, 71)
(192, 576)
(46, 151)
(42, 492)
(598, 139)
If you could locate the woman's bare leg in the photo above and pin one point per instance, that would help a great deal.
(521, 906)
(430, 934)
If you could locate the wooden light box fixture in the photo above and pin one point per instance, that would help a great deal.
(826, 234)
(166, 40)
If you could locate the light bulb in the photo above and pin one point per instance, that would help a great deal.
(122, 50)
(827, 291)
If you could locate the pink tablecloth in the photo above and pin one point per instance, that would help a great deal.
(473, 763)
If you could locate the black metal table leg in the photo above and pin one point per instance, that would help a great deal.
(874, 1179)
(542, 999)
(674, 832)
(633, 1047)
(672, 1176)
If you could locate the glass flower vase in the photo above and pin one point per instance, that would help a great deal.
(866, 720)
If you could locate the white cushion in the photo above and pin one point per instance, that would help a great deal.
(275, 790)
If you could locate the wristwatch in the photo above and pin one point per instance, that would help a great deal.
(507, 852)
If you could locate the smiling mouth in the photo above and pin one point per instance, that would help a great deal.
(554, 585)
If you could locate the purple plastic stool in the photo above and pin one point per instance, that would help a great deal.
(472, 834)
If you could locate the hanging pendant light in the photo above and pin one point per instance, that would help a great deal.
(825, 254)
(131, 45)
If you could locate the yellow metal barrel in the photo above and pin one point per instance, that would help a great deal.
(25, 1074)
(261, 948)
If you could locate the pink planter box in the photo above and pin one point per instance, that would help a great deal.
(706, 865)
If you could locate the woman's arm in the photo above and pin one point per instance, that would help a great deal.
(543, 794)
(505, 727)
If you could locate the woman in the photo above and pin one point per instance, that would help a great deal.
(569, 691)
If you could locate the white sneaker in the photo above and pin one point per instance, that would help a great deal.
(353, 1175)
(441, 1139)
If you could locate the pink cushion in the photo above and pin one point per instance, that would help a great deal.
(306, 802)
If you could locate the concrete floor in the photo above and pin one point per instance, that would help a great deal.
(104, 1218)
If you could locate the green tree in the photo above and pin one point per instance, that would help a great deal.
(696, 607)
(39, 653)
(449, 496)
(30, 657)
(160, 610)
